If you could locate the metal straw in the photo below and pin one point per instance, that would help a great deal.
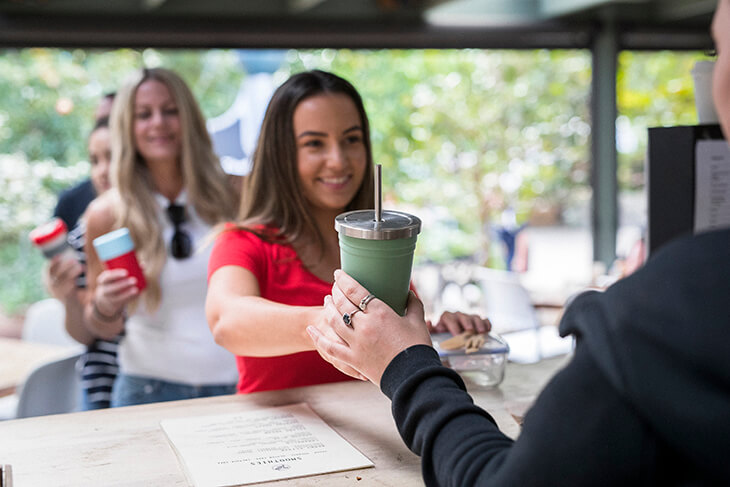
(6, 476)
(378, 193)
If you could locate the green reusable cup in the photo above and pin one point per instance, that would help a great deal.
(379, 254)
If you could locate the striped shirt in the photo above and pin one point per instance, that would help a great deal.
(98, 364)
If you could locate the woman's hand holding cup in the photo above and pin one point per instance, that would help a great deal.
(375, 335)
(324, 330)
(114, 289)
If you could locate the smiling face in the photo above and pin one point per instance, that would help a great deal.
(100, 156)
(156, 123)
(331, 154)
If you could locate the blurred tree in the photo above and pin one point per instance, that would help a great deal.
(654, 89)
(47, 101)
(462, 134)
(48, 96)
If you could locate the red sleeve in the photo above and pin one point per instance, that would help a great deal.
(239, 248)
(412, 287)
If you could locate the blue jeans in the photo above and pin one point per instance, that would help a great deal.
(130, 390)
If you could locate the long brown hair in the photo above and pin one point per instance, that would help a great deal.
(272, 194)
(207, 186)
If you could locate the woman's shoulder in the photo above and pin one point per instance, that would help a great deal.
(247, 246)
(266, 234)
(233, 235)
(100, 215)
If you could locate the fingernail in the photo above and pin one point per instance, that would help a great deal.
(337, 273)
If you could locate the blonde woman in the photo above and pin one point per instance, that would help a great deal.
(168, 188)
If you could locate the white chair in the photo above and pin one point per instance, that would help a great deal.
(510, 308)
(45, 323)
(51, 388)
(506, 301)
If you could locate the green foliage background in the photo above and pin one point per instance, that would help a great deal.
(473, 132)
(462, 134)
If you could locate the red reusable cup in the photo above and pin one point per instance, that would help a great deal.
(116, 250)
(51, 238)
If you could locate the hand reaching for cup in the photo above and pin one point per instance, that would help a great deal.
(375, 335)
(458, 322)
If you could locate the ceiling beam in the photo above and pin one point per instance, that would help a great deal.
(88, 32)
(140, 33)
(503, 27)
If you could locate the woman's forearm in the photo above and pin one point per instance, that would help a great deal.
(256, 327)
(75, 320)
(102, 325)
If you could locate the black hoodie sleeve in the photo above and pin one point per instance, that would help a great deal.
(569, 436)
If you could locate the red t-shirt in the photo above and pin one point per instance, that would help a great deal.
(283, 279)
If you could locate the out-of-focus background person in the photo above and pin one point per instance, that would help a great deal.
(168, 189)
(66, 281)
(73, 202)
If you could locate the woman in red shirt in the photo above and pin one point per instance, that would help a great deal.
(269, 273)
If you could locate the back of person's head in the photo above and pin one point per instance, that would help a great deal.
(207, 187)
(101, 122)
(272, 194)
(104, 108)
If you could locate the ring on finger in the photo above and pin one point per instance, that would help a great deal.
(347, 317)
(364, 301)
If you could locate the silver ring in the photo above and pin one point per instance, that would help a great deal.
(347, 317)
(364, 301)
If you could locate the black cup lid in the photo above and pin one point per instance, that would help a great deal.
(362, 224)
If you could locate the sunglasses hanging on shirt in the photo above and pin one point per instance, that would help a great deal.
(181, 246)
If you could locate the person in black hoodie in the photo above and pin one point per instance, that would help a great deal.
(645, 399)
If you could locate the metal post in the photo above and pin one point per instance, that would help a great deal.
(603, 143)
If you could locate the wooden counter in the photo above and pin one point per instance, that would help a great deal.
(125, 446)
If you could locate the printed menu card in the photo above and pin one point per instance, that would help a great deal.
(712, 185)
(259, 445)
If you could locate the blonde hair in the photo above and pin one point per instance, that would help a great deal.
(132, 193)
